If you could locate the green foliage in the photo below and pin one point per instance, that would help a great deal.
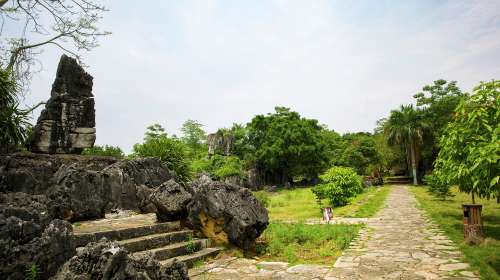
(357, 150)
(227, 166)
(470, 144)
(14, 124)
(190, 247)
(287, 145)
(406, 128)
(339, 184)
(306, 243)
(105, 150)
(172, 152)
(194, 136)
(32, 272)
(263, 198)
(437, 186)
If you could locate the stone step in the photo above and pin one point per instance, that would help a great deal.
(175, 250)
(155, 240)
(81, 239)
(190, 259)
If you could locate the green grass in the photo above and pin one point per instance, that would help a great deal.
(300, 243)
(484, 258)
(300, 204)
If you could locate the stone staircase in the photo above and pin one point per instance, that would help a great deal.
(164, 241)
(398, 180)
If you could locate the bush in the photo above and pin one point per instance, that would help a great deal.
(227, 167)
(338, 185)
(437, 186)
(263, 198)
(172, 152)
(106, 150)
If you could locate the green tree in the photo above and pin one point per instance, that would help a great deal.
(470, 144)
(287, 145)
(358, 151)
(172, 152)
(437, 102)
(194, 136)
(105, 150)
(14, 121)
(406, 127)
(338, 184)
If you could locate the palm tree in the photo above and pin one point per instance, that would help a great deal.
(406, 127)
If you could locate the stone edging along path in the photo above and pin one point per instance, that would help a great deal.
(400, 242)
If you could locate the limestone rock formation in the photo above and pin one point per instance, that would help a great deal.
(170, 200)
(107, 260)
(46, 247)
(67, 124)
(220, 143)
(227, 214)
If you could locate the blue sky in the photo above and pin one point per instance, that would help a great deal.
(345, 63)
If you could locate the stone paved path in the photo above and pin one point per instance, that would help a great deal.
(401, 242)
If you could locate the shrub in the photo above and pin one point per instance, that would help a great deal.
(227, 167)
(338, 185)
(263, 198)
(106, 150)
(172, 152)
(437, 186)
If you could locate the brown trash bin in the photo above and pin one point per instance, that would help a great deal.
(473, 224)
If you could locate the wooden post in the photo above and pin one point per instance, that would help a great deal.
(473, 224)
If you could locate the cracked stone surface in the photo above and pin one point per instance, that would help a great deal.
(400, 242)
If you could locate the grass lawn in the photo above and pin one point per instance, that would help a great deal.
(300, 204)
(448, 214)
(300, 243)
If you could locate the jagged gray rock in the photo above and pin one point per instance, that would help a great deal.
(220, 143)
(227, 214)
(67, 124)
(170, 200)
(107, 260)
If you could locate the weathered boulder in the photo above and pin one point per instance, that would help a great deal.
(67, 124)
(32, 173)
(77, 194)
(107, 260)
(227, 214)
(81, 194)
(170, 200)
(45, 253)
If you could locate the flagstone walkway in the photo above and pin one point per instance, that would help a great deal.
(400, 242)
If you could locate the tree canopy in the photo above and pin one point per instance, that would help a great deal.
(287, 145)
(470, 144)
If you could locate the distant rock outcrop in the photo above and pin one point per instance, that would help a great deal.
(67, 124)
(220, 143)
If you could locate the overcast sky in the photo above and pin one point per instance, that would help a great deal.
(345, 63)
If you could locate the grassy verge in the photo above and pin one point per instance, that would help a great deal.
(300, 243)
(364, 205)
(484, 258)
(300, 204)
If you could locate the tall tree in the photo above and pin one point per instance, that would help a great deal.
(406, 127)
(287, 145)
(437, 102)
(70, 25)
(193, 135)
(470, 145)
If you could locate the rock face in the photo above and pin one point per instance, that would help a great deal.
(106, 260)
(67, 124)
(227, 214)
(27, 238)
(220, 143)
(170, 200)
(81, 187)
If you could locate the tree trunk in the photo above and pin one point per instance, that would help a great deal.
(473, 200)
(413, 163)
